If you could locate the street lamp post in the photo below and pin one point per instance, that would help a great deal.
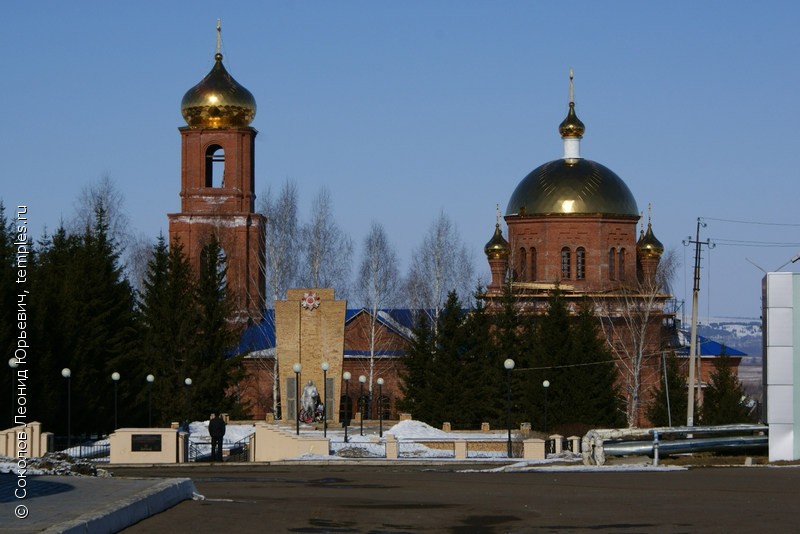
(380, 407)
(115, 377)
(188, 383)
(346, 377)
(361, 380)
(150, 379)
(297, 368)
(546, 386)
(66, 373)
(325, 366)
(509, 365)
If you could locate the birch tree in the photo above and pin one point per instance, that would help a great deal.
(134, 249)
(632, 327)
(280, 212)
(281, 266)
(327, 250)
(442, 263)
(103, 195)
(378, 282)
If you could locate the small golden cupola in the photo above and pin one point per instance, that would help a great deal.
(218, 101)
(648, 246)
(571, 128)
(497, 248)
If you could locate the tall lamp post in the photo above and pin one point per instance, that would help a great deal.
(13, 363)
(325, 366)
(380, 407)
(346, 377)
(546, 386)
(188, 383)
(509, 365)
(66, 373)
(361, 380)
(297, 368)
(115, 377)
(150, 379)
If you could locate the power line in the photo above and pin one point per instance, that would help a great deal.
(744, 243)
(735, 221)
(563, 366)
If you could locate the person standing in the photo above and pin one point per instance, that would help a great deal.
(216, 429)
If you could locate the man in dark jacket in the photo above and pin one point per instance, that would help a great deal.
(216, 428)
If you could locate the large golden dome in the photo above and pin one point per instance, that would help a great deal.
(218, 101)
(579, 186)
(572, 185)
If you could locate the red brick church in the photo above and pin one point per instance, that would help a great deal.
(218, 185)
(571, 225)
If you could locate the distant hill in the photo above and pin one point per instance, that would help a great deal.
(741, 333)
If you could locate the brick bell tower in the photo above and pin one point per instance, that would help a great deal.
(218, 183)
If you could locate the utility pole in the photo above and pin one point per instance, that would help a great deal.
(693, 343)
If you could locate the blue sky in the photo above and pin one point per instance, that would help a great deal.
(405, 109)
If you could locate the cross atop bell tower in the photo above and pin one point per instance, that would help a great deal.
(218, 184)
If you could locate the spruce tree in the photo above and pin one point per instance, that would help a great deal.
(214, 369)
(82, 306)
(169, 318)
(415, 374)
(512, 336)
(9, 290)
(723, 399)
(591, 378)
(447, 365)
(480, 375)
(551, 350)
(54, 346)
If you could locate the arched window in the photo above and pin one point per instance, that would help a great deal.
(580, 263)
(522, 272)
(365, 405)
(622, 264)
(612, 270)
(533, 265)
(566, 261)
(385, 407)
(345, 408)
(215, 166)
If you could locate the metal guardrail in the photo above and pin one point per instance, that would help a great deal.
(232, 451)
(87, 449)
(736, 439)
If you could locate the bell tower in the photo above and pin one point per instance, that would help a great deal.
(218, 184)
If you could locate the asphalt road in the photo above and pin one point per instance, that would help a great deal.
(398, 499)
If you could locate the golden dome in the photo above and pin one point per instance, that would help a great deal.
(218, 101)
(648, 246)
(572, 185)
(497, 248)
(564, 186)
(572, 125)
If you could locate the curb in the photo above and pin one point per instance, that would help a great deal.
(125, 512)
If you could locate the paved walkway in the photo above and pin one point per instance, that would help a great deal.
(419, 496)
(86, 504)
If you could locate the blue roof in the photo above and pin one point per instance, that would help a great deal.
(261, 336)
(391, 318)
(708, 347)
